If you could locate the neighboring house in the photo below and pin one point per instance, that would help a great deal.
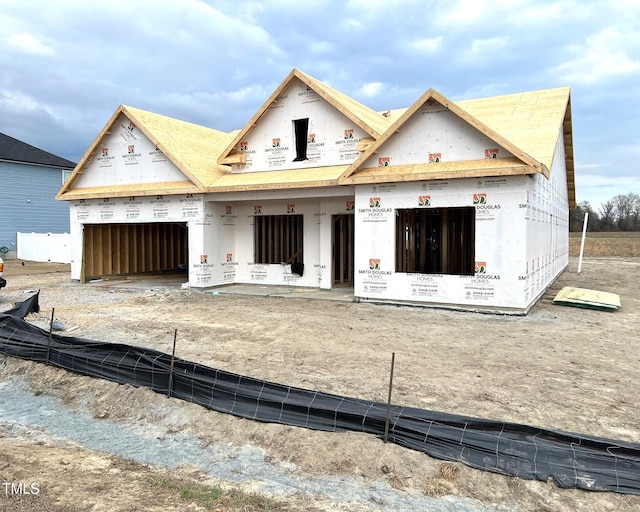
(30, 179)
(458, 204)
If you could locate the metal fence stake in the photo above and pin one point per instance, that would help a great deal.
(173, 357)
(50, 329)
(386, 423)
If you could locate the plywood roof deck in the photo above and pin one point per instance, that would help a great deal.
(527, 124)
(192, 148)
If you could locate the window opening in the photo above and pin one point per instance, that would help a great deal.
(301, 131)
(436, 241)
(278, 239)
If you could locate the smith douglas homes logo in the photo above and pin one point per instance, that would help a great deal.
(228, 212)
(375, 268)
(375, 212)
(424, 200)
(479, 198)
(491, 154)
(480, 271)
(105, 160)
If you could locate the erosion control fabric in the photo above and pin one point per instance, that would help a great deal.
(570, 460)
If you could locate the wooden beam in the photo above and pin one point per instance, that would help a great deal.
(239, 157)
(364, 143)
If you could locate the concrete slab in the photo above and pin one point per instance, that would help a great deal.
(178, 282)
(336, 294)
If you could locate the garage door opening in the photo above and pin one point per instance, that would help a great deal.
(133, 249)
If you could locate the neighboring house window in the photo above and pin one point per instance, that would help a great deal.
(278, 238)
(436, 240)
(65, 175)
(301, 132)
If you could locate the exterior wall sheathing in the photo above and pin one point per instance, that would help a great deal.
(547, 227)
(521, 240)
(229, 231)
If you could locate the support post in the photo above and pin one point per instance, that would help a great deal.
(173, 357)
(584, 234)
(386, 423)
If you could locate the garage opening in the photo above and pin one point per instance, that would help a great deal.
(133, 249)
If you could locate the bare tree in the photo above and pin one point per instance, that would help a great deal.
(607, 215)
(625, 208)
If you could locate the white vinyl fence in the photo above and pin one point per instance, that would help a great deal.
(52, 247)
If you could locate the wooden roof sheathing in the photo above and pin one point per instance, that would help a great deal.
(526, 124)
(499, 108)
(295, 178)
(135, 189)
(532, 121)
(193, 149)
(439, 171)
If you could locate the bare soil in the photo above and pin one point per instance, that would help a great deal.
(558, 367)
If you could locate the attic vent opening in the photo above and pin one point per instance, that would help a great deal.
(301, 131)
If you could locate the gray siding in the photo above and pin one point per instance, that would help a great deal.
(28, 202)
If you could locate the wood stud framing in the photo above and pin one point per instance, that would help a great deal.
(129, 249)
(278, 239)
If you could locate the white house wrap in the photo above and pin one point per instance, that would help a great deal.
(457, 204)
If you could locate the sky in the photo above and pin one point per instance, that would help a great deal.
(66, 66)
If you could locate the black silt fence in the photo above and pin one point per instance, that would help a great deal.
(571, 460)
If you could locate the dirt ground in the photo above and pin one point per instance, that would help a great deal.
(558, 367)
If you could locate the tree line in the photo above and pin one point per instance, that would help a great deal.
(621, 213)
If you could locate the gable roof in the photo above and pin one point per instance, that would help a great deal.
(532, 121)
(372, 122)
(193, 149)
(527, 124)
(420, 171)
(14, 150)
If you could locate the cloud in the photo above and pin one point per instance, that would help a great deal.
(426, 46)
(321, 47)
(17, 102)
(544, 13)
(603, 56)
(350, 23)
(464, 12)
(481, 46)
(370, 90)
(29, 44)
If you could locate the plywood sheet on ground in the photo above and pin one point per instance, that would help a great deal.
(585, 298)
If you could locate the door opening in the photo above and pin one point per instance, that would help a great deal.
(343, 242)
